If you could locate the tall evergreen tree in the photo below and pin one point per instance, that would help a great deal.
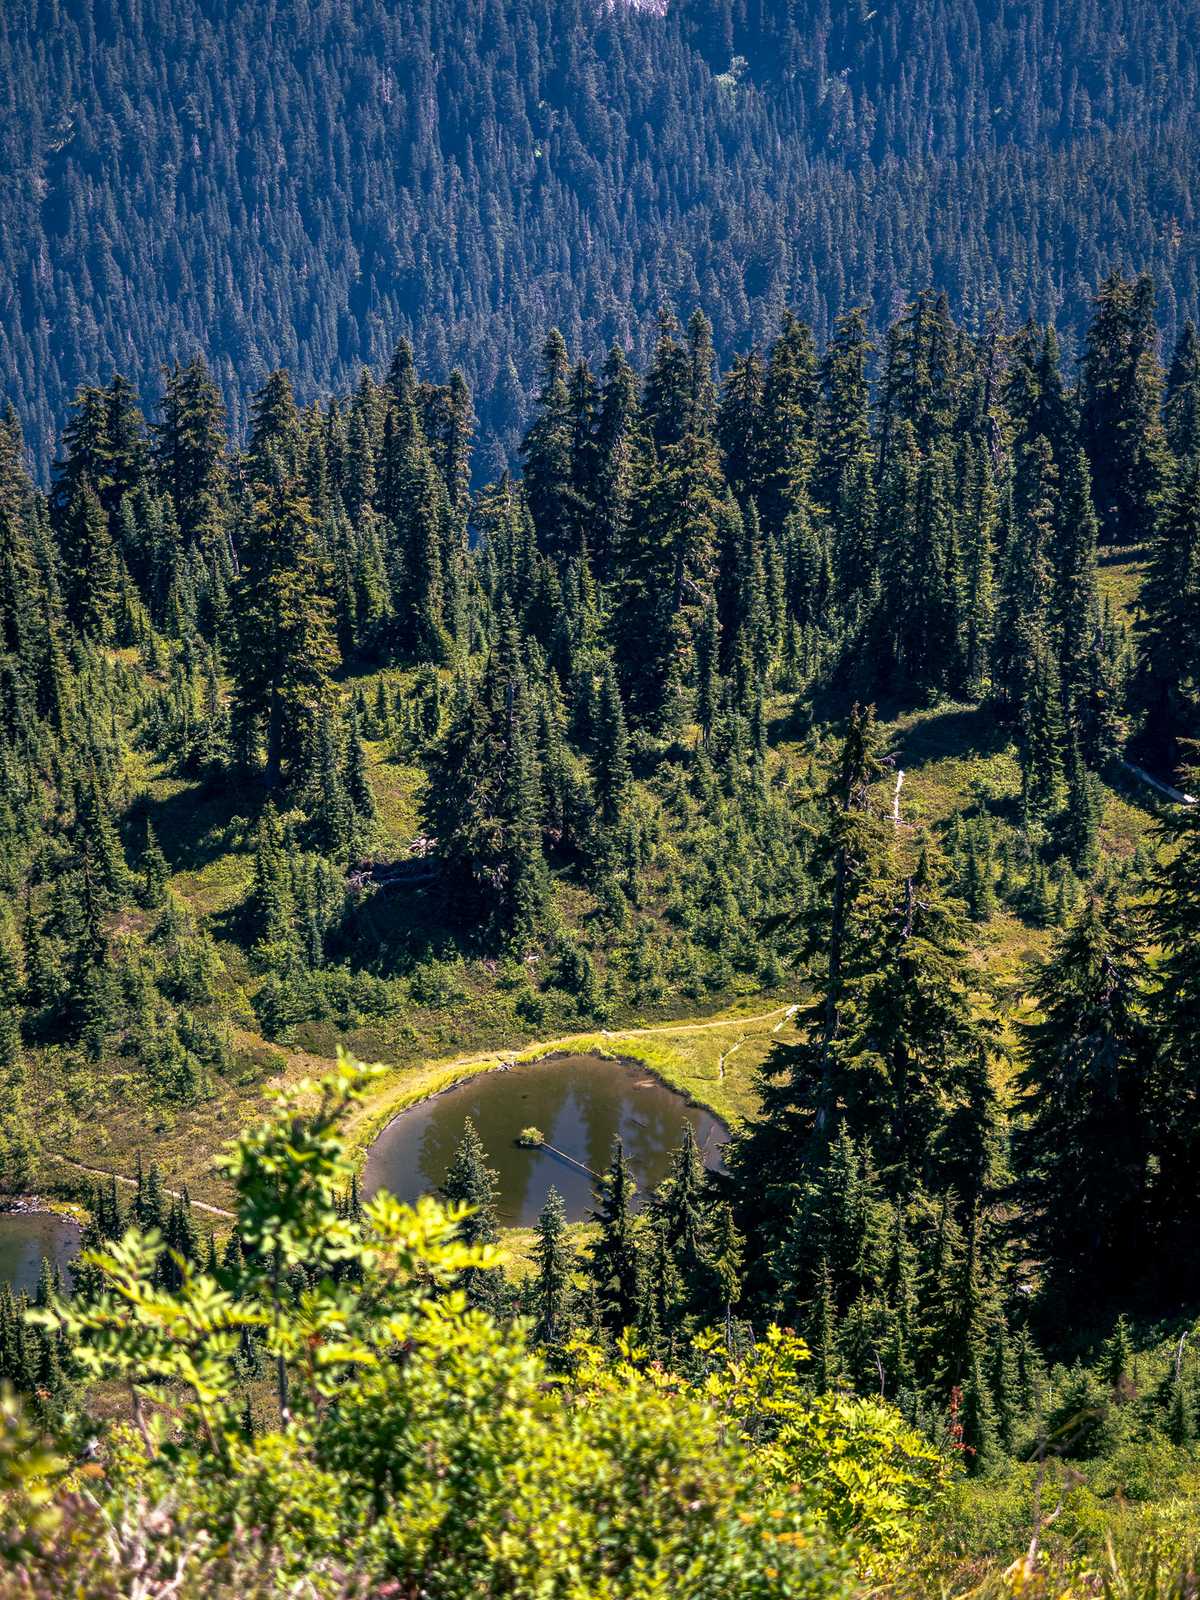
(488, 829)
(1080, 1148)
(553, 1294)
(285, 649)
(615, 1264)
(1121, 394)
(1167, 687)
(471, 1182)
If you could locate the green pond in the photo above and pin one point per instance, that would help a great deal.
(580, 1104)
(27, 1236)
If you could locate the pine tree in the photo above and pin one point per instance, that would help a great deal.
(356, 783)
(420, 538)
(615, 444)
(90, 565)
(270, 907)
(274, 454)
(11, 997)
(1167, 689)
(1080, 1148)
(285, 646)
(546, 455)
(1035, 395)
(739, 427)
(1174, 1113)
(1004, 1383)
(471, 1182)
(1121, 394)
(329, 803)
(1181, 1413)
(912, 1059)
(788, 446)
(615, 1264)
(489, 830)
(189, 453)
(776, 1152)
(612, 777)
(1075, 607)
(679, 1209)
(1181, 409)
(156, 872)
(844, 435)
(553, 1292)
(725, 1253)
(978, 1420)
(1117, 1360)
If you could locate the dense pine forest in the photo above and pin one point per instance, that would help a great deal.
(851, 682)
(296, 185)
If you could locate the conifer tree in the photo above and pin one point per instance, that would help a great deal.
(356, 784)
(739, 427)
(725, 1253)
(679, 1209)
(615, 1263)
(667, 580)
(270, 906)
(546, 455)
(285, 648)
(1075, 606)
(978, 1420)
(1174, 1118)
(611, 774)
(1167, 688)
(155, 870)
(616, 432)
(421, 554)
(11, 996)
(788, 446)
(912, 1061)
(1003, 1381)
(90, 565)
(471, 1182)
(1181, 409)
(1181, 1412)
(844, 435)
(488, 829)
(276, 445)
(799, 1116)
(1035, 395)
(189, 453)
(1121, 397)
(553, 1287)
(1080, 1148)
(1117, 1360)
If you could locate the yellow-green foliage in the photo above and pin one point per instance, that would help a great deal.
(870, 1477)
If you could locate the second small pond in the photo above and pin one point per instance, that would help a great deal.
(28, 1236)
(579, 1103)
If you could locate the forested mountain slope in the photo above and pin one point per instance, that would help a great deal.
(805, 684)
(285, 184)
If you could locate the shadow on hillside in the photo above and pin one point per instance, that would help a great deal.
(194, 827)
(394, 929)
(957, 731)
(1121, 555)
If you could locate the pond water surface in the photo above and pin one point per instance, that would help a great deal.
(580, 1103)
(27, 1236)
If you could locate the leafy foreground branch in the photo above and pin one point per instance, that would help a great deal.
(415, 1446)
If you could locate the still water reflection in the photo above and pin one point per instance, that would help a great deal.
(27, 1236)
(580, 1103)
